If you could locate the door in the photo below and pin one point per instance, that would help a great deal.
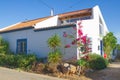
(101, 47)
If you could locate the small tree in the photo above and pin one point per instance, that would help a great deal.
(109, 42)
(54, 42)
(4, 46)
(118, 46)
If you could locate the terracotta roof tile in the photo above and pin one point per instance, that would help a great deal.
(25, 24)
(30, 23)
(74, 14)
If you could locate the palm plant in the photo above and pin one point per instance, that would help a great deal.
(54, 42)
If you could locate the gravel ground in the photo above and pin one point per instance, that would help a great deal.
(10, 74)
(110, 73)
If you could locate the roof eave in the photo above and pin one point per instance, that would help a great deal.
(24, 28)
(55, 27)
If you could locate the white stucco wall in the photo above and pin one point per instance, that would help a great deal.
(53, 21)
(98, 16)
(91, 29)
(37, 41)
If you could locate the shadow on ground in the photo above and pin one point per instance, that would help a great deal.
(110, 73)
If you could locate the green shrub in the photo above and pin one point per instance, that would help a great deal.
(12, 60)
(9, 60)
(82, 62)
(4, 46)
(54, 57)
(17, 61)
(97, 62)
(23, 61)
(2, 58)
(54, 42)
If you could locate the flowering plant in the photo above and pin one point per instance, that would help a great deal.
(82, 41)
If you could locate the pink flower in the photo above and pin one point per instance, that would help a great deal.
(79, 23)
(84, 39)
(80, 33)
(73, 42)
(77, 39)
(88, 40)
(67, 46)
(74, 28)
(64, 34)
(80, 26)
(86, 57)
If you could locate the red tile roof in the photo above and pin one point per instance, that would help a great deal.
(75, 14)
(30, 23)
(26, 24)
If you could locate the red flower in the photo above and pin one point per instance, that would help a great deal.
(80, 33)
(73, 42)
(67, 46)
(64, 34)
(84, 53)
(105, 55)
(87, 57)
(88, 40)
(77, 39)
(84, 39)
(79, 23)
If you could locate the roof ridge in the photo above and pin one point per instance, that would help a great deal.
(31, 22)
(75, 11)
(36, 19)
(10, 26)
(56, 14)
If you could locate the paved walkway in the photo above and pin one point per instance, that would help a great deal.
(10, 74)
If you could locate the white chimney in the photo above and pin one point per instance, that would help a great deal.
(52, 12)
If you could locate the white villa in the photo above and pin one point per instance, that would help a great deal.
(31, 36)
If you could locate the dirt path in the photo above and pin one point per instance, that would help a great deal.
(10, 74)
(110, 73)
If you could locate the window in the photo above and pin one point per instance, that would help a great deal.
(100, 29)
(90, 43)
(74, 20)
(101, 47)
(101, 26)
(21, 46)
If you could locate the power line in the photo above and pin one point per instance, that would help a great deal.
(52, 10)
(46, 4)
(72, 5)
(50, 7)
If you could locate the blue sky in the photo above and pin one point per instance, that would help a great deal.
(13, 11)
